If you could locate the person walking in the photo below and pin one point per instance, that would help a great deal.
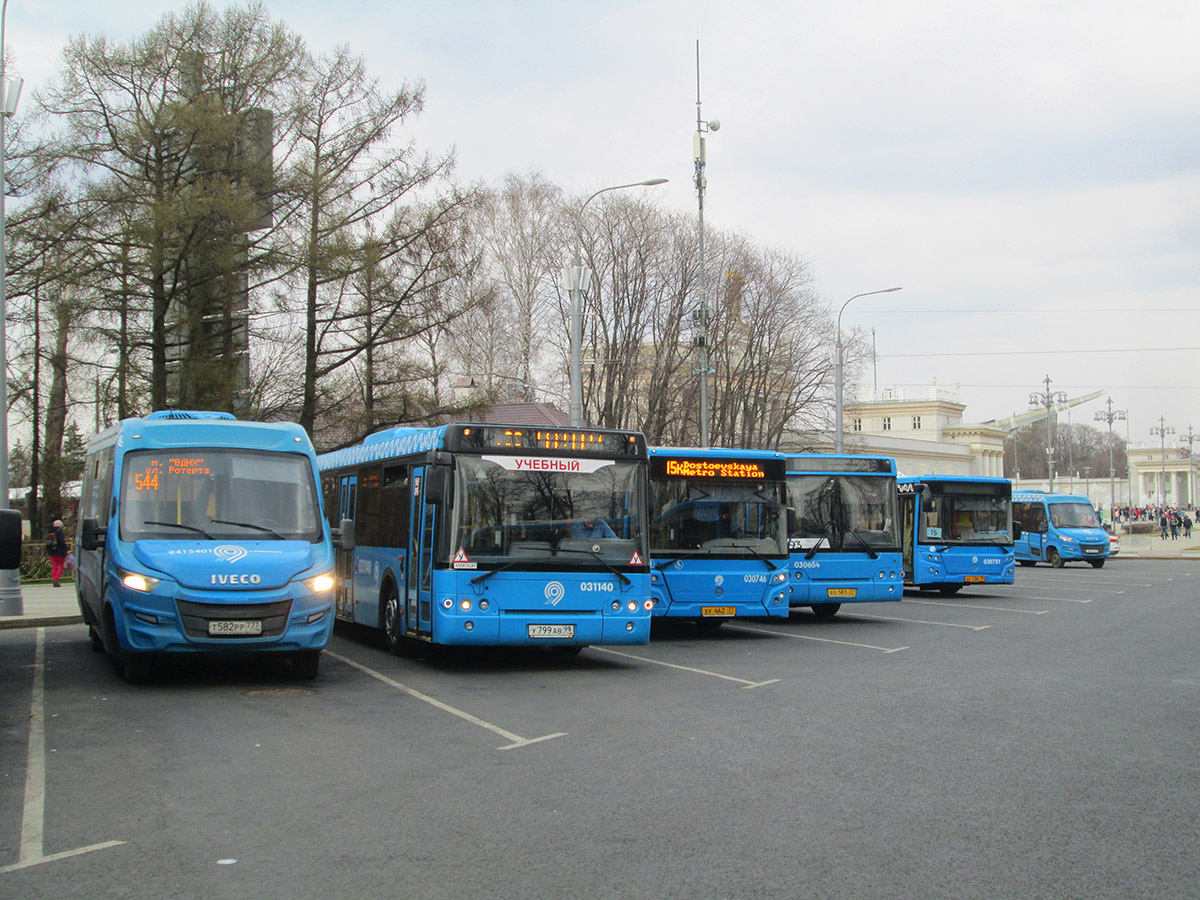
(56, 547)
(1163, 526)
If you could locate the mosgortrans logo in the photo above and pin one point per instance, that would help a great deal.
(229, 553)
(554, 593)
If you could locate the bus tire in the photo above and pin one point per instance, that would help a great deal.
(305, 664)
(949, 589)
(391, 621)
(134, 668)
(1053, 557)
(95, 639)
(1025, 562)
(1097, 563)
(825, 610)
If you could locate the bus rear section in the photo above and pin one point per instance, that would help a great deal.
(494, 535)
(956, 531)
(843, 532)
(1057, 529)
(718, 534)
(201, 534)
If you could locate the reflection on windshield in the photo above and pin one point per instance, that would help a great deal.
(1073, 515)
(502, 515)
(842, 512)
(949, 518)
(735, 519)
(218, 494)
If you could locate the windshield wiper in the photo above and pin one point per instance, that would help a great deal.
(178, 525)
(870, 551)
(491, 572)
(756, 555)
(666, 562)
(597, 558)
(273, 533)
(812, 551)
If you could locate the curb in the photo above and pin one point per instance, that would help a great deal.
(37, 621)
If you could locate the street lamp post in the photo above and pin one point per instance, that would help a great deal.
(10, 93)
(577, 278)
(1162, 430)
(839, 443)
(1048, 399)
(1112, 415)
(701, 316)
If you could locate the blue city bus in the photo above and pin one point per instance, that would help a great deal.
(483, 534)
(200, 533)
(843, 531)
(956, 531)
(718, 534)
(1057, 528)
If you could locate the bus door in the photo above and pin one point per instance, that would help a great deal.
(908, 516)
(1033, 529)
(419, 605)
(344, 559)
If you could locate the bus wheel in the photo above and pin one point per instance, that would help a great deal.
(133, 667)
(305, 664)
(711, 623)
(392, 622)
(949, 589)
(1025, 562)
(825, 610)
(97, 641)
(1053, 558)
(1097, 563)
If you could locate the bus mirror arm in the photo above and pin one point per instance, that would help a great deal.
(91, 535)
(343, 535)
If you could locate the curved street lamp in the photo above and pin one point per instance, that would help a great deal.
(838, 436)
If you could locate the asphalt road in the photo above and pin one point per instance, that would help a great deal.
(1038, 740)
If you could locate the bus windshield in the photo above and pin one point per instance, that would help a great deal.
(1073, 515)
(223, 494)
(736, 519)
(848, 513)
(504, 512)
(964, 517)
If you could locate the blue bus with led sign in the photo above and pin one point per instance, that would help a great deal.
(1057, 529)
(493, 535)
(956, 531)
(200, 533)
(843, 531)
(718, 534)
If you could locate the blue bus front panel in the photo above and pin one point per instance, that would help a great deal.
(541, 608)
(845, 578)
(721, 588)
(963, 565)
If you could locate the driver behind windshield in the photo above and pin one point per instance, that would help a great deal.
(592, 528)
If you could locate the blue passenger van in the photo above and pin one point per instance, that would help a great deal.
(1057, 528)
(200, 533)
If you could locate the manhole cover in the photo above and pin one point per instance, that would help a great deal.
(279, 693)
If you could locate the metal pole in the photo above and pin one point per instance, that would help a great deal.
(839, 443)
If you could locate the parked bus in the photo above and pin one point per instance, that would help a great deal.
(200, 533)
(956, 531)
(493, 535)
(1057, 528)
(843, 531)
(718, 534)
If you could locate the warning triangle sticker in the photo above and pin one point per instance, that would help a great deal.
(460, 556)
(635, 560)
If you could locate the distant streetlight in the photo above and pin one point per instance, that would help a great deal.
(1162, 430)
(10, 93)
(1112, 415)
(701, 315)
(1047, 399)
(838, 437)
(576, 279)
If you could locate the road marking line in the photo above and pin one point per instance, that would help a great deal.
(1033, 612)
(742, 681)
(1063, 599)
(55, 857)
(923, 622)
(515, 739)
(806, 637)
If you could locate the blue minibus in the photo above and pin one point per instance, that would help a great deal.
(489, 535)
(200, 533)
(956, 531)
(1057, 528)
(718, 534)
(843, 532)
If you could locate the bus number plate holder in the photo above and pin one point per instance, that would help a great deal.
(235, 627)
(970, 579)
(551, 631)
(721, 611)
(841, 592)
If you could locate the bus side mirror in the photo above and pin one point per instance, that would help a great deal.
(344, 535)
(10, 539)
(435, 484)
(91, 535)
(1016, 531)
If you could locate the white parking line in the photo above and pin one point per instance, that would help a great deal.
(1033, 612)
(515, 739)
(1063, 599)
(747, 685)
(923, 622)
(808, 637)
(33, 817)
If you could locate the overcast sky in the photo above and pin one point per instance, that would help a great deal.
(1028, 172)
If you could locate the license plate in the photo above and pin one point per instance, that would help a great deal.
(1091, 550)
(552, 631)
(841, 592)
(718, 611)
(235, 627)
(973, 578)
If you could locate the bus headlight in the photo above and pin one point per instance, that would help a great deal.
(1066, 539)
(319, 584)
(136, 581)
(632, 605)
(464, 604)
(779, 577)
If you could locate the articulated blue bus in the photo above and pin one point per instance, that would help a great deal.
(1057, 528)
(200, 533)
(481, 534)
(843, 531)
(718, 534)
(956, 531)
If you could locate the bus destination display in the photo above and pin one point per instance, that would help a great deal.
(717, 469)
(488, 437)
(149, 479)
